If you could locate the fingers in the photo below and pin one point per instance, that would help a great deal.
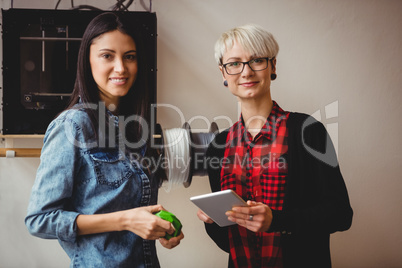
(165, 226)
(252, 203)
(253, 208)
(171, 229)
(156, 228)
(159, 229)
(257, 217)
(204, 217)
(154, 235)
(172, 242)
(144, 223)
(244, 219)
(254, 225)
(155, 208)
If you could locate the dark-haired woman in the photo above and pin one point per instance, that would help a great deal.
(89, 193)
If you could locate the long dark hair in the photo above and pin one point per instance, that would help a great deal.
(137, 100)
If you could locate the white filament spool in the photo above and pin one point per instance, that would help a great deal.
(177, 152)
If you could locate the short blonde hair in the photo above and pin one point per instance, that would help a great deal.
(254, 39)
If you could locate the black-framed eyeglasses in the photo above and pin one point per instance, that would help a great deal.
(237, 67)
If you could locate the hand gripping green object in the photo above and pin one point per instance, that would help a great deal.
(167, 216)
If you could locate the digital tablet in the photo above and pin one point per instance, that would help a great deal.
(216, 204)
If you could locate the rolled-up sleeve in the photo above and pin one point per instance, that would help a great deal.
(50, 212)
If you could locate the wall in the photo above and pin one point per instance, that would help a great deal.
(341, 55)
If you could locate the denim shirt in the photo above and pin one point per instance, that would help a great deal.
(75, 177)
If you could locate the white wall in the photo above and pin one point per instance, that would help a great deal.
(341, 53)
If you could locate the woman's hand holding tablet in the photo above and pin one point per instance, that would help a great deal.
(215, 205)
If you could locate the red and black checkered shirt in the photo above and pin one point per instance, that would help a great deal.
(256, 169)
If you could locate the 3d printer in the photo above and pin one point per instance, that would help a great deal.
(40, 51)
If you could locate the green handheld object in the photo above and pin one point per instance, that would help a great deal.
(170, 217)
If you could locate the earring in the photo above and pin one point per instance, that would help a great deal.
(225, 83)
(273, 76)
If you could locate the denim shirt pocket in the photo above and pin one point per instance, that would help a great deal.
(111, 167)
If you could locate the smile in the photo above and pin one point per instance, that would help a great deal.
(118, 80)
(249, 84)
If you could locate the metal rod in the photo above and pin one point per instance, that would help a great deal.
(43, 51)
(50, 39)
(22, 136)
(52, 94)
(21, 152)
(67, 47)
